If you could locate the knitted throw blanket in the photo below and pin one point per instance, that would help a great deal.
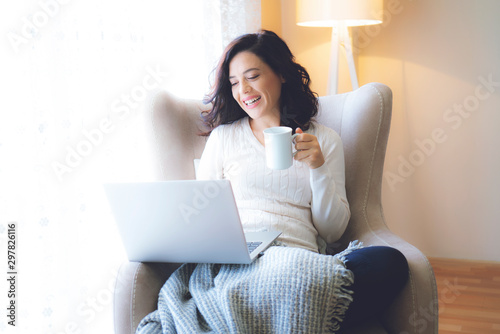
(288, 290)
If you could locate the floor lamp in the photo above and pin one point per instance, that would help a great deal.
(339, 14)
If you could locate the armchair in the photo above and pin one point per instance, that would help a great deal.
(362, 119)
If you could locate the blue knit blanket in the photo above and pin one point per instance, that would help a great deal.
(288, 290)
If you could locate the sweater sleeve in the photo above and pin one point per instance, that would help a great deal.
(329, 206)
(211, 162)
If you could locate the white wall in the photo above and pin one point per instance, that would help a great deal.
(438, 57)
(441, 189)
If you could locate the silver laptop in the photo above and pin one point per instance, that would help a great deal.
(187, 221)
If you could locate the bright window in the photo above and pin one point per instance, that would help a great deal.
(74, 75)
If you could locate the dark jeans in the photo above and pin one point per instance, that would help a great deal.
(379, 275)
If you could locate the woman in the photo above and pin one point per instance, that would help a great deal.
(259, 85)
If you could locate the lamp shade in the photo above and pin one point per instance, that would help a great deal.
(328, 13)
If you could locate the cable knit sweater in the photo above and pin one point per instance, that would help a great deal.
(292, 201)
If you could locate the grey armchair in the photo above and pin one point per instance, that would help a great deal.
(362, 119)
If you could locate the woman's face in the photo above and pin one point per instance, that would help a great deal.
(255, 86)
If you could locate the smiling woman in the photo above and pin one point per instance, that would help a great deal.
(75, 74)
(305, 201)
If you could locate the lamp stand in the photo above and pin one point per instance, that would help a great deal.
(340, 36)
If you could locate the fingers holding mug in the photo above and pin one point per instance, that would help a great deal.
(308, 149)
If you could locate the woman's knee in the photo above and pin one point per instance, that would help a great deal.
(378, 263)
(380, 273)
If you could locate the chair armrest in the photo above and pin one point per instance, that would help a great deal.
(415, 309)
(136, 292)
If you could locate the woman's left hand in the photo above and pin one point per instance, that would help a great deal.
(308, 149)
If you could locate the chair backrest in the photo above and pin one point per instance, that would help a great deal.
(361, 118)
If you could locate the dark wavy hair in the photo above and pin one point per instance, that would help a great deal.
(298, 104)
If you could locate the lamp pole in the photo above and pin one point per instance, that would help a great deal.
(340, 37)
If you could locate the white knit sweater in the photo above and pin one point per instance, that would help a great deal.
(292, 201)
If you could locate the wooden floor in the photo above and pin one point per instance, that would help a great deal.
(469, 296)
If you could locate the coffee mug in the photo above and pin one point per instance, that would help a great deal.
(278, 141)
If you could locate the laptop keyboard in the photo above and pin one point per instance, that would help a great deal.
(252, 245)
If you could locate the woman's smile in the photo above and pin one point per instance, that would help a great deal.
(252, 102)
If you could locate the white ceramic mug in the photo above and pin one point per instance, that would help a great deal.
(278, 141)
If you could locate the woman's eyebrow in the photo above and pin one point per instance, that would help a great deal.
(250, 69)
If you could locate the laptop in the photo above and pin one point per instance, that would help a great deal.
(188, 221)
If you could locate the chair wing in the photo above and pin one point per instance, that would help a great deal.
(362, 119)
(172, 128)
